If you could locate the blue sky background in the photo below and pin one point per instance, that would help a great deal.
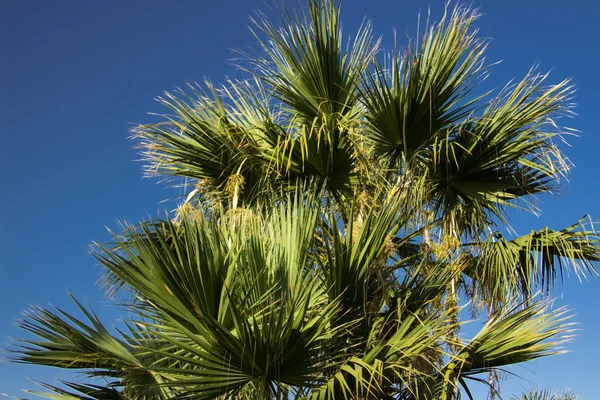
(75, 76)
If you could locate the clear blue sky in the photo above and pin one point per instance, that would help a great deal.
(74, 76)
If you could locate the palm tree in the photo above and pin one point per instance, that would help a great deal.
(546, 394)
(342, 211)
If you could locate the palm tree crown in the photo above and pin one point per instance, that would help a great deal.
(344, 207)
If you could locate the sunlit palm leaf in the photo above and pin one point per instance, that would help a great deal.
(308, 66)
(212, 138)
(506, 268)
(353, 250)
(73, 344)
(511, 336)
(83, 392)
(312, 73)
(423, 93)
(491, 160)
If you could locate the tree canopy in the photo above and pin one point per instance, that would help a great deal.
(345, 207)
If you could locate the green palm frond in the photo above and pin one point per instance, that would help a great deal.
(546, 394)
(184, 265)
(354, 249)
(82, 392)
(214, 138)
(401, 352)
(70, 343)
(308, 66)
(316, 78)
(423, 93)
(491, 160)
(508, 268)
(209, 292)
(513, 335)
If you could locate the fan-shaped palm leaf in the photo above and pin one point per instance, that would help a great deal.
(506, 153)
(508, 268)
(424, 92)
